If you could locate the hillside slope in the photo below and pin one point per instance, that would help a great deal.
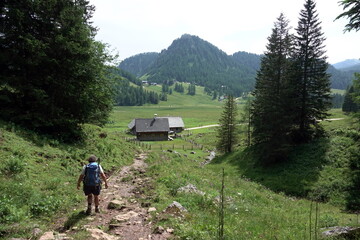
(38, 175)
(191, 59)
(139, 64)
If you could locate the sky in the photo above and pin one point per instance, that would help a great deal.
(131, 27)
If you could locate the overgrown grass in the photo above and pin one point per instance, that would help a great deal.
(252, 211)
(38, 175)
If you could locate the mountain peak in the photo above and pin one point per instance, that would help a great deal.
(347, 63)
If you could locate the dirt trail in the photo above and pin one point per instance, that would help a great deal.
(133, 220)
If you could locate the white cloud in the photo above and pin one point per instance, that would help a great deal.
(136, 26)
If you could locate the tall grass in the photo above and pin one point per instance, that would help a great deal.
(38, 175)
(251, 211)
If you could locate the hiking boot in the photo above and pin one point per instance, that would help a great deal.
(88, 211)
(97, 210)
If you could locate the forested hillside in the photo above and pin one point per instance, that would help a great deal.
(339, 79)
(129, 91)
(249, 60)
(191, 59)
(139, 64)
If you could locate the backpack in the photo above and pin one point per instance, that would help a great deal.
(92, 172)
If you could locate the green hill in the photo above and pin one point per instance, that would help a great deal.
(191, 59)
(38, 175)
(139, 64)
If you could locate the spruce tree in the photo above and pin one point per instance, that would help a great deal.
(349, 104)
(351, 11)
(269, 113)
(312, 84)
(53, 75)
(226, 136)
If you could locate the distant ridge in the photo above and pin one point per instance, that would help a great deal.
(139, 64)
(192, 59)
(347, 63)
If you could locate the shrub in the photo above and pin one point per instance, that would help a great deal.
(9, 213)
(14, 166)
(44, 206)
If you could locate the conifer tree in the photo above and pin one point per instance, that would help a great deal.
(269, 113)
(349, 104)
(351, 11)
(312, 84)
(226, 135)
(53, 76)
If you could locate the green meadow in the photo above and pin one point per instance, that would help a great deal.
(38, 176)
(198, 110)
(260, 203)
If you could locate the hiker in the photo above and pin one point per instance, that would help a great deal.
(90, 176)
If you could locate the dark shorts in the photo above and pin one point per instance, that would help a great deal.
(95, 190)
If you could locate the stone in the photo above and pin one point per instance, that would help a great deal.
(170, 230)
(159, 230)
(343, 232)
(47, 236)
(100, 235)
(116, 204)
(152, 209)
(36, 232)
(175, 208)
(193, 152)
(125, 216)
(190, 188)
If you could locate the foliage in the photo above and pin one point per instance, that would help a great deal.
(270, 118)
(312, 84)
(127, 75)
(191, 59)
(226, 136)
(342, 78)
(53, 76)
(351, 11)
(250, 60)
(247, 214)
(14, 165)
(191, 90)
(349, 104)
(337, 100)
(179, 88)
(139, 64)
(127, 95)
(37, 173)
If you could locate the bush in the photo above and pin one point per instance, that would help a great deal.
(44, 206)
(14, 166)
(9, 213)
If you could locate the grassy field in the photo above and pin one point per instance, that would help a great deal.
(252, 211)
(261, 203)
(195, 110)
(198, 110)
(38, 175)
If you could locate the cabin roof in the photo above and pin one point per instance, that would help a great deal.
(152, 125)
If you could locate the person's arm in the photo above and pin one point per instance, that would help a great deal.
(81, 177)
(103, 176)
